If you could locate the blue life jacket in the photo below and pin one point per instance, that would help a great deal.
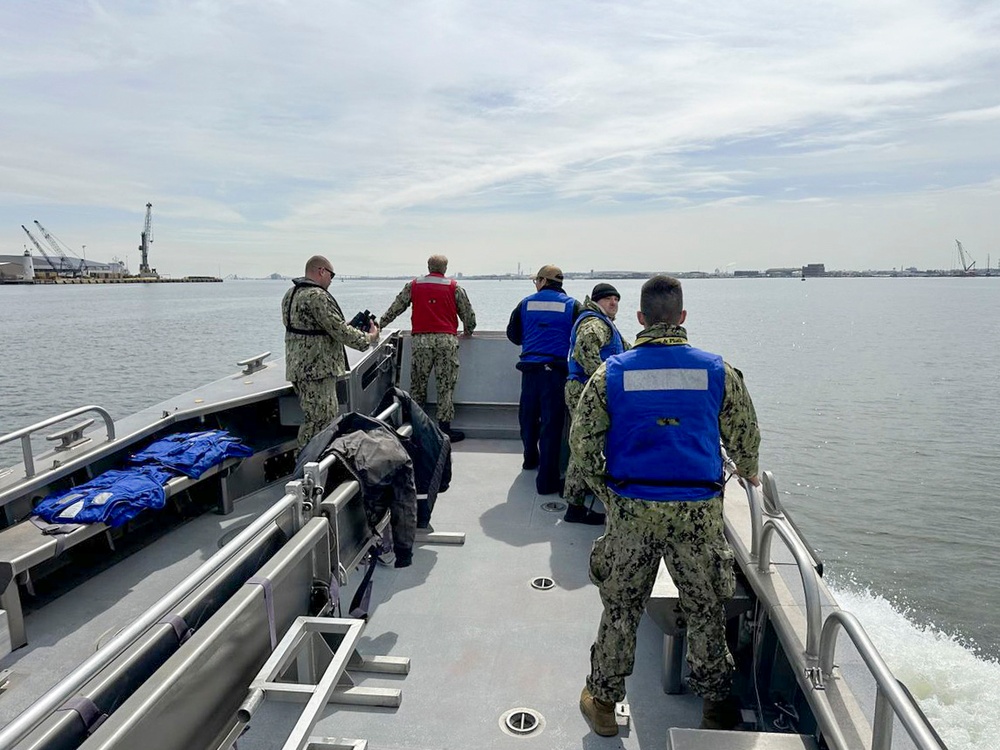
(113, 497)
(116, 496)
(192, 453)
(613, 347)
(664, 404)
(546, 322)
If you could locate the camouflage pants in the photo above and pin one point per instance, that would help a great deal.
(689, 536)
(575, 488)
(318, 399)
(441, 356)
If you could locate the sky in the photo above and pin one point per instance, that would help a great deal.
(657, 135)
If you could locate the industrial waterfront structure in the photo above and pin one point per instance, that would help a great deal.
(58, 263)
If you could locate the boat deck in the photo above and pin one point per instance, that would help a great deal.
(481, 640)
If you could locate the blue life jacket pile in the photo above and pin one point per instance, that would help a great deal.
(119, 495)
(192, 453)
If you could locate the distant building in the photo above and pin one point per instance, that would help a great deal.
(814, 270)
(782, 273)
(53, 266)
(746, 274)
(17, 268)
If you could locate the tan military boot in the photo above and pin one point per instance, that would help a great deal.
(601, 715)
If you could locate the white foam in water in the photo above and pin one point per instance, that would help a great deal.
(958, 690)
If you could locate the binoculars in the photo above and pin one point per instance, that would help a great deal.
(363, 320)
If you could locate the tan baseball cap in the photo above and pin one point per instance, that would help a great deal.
(552, 273)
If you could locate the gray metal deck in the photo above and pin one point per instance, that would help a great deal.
(481, 640)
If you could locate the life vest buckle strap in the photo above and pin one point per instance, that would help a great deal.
(181, 629)
(88, 711)
(265, 583)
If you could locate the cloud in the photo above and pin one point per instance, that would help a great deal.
(279, 122)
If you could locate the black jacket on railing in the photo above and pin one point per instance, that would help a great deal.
(430, 450)
(373, 454)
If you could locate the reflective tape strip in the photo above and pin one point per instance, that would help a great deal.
(265, 583)
(432, 280)
(539, 306)
(672, 379)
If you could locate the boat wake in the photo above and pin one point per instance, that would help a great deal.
(956, 688)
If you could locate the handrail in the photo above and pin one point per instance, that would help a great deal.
(16, 730)
(821, 641)
(773, 507)
(899, 701)
(170, 419)
(810, 586)
(390, 410)
(756, 519)
(25, 433)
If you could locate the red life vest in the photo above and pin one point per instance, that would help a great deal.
(434, 308)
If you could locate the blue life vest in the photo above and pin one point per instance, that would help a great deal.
(118, 495)
(613, 347)
(546, 322)
(113, 497)
(192, 453)
(664, 404)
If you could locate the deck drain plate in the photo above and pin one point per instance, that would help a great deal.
(522, 722)
(542, 583)
(553, 507)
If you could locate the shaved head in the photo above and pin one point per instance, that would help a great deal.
(315, 263)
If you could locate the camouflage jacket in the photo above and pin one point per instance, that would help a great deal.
(737, 418)
(592, 334)
(320, 354)
(404, 299)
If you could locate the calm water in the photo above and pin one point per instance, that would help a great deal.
(878, 399)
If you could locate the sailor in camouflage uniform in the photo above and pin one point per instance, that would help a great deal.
(438, 303)
(315, 335)
(593, 340)
(646, 434)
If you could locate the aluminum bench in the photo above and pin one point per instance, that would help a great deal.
(24, 546)
(663, 608)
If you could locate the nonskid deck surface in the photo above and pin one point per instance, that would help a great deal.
(480, 639)
(66, 631)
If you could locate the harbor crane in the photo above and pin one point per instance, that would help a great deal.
(55, 245)
(147, 239)
(56, 267)
(968, 264)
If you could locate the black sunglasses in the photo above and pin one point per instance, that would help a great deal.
(329, 271)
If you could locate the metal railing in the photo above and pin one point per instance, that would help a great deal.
(891, 699)
(25, 433)
(19, 728)
(766, 520)
(300, 500)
